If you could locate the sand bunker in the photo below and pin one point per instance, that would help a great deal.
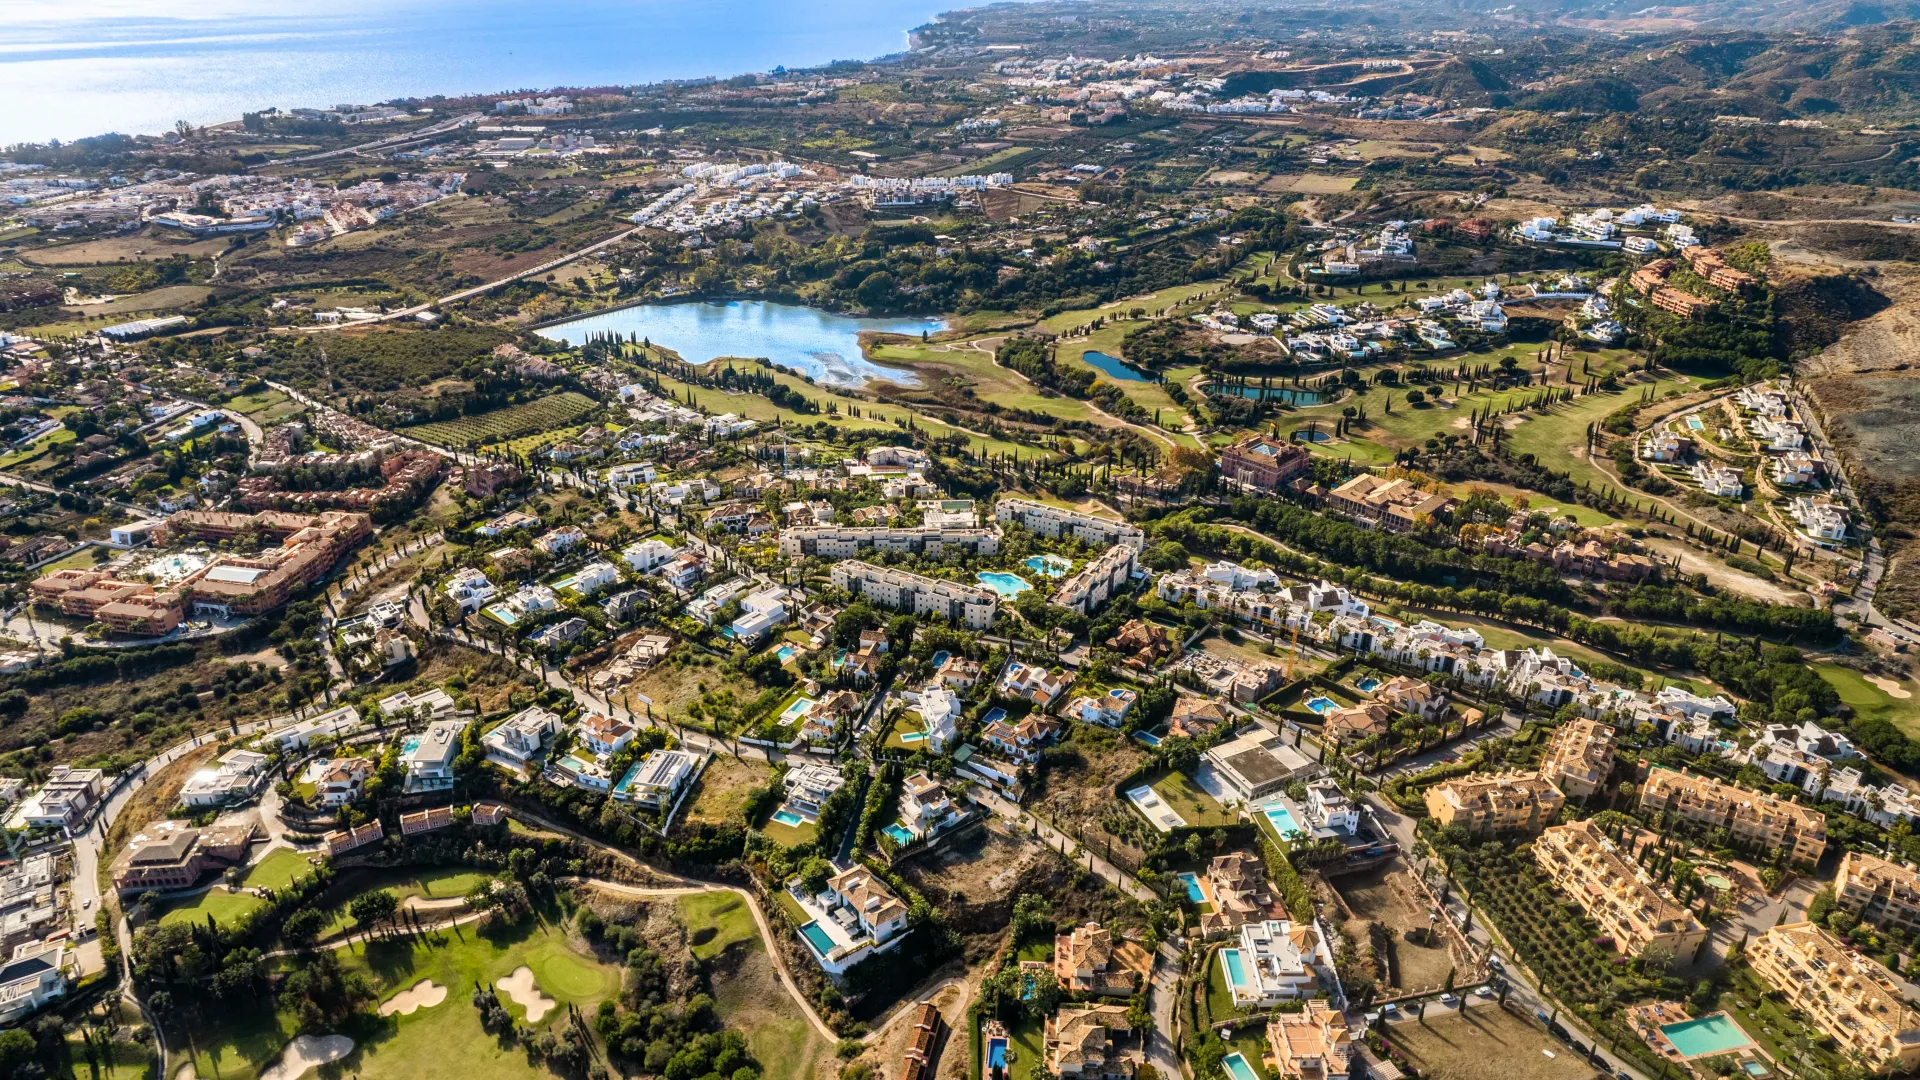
(424, 994)
(307, 1052)
(187, 1072)
(421, 903)
(1893, 689)
(521, 988)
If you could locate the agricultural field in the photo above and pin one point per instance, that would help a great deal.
(499, 424)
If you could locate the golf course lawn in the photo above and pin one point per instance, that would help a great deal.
(1874, 702)
(725, 913)
(445, 1041)
(276, 871)
(429, 883)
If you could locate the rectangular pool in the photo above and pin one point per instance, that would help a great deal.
(817, 938)
(796, 710)
(1283, 822)
(993, 716)
(788, 818)
(900, 835)
(1716, 1034)
(1235, 968)
(1694, 423)
(1238, 1068)
(784, 653)
(1193, 888)
(996, 1053)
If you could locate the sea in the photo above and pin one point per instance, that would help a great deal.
(75, 68)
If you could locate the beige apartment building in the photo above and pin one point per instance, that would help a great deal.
(1579, 758)
(1884, 894)
(1496, 802)
(1851, 998)
(1752, 818)
(1614, 893)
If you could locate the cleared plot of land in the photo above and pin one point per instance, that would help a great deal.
(1318, 184)
(498, 424)
(172, 296)
(1485, 1041)
(1375, 897)
(716, 920)
(720, 795)
(747, 990)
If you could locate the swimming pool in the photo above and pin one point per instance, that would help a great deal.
(1193, 888)
(1236, 971)
(409, 744)
(788, 818)
(1283, 822)
(1048, 565)
(817, 938)
(1694, 423)
(1237, 1067)
(994, 716)
(1007, 585)
(1147, 738)
(1367, 685)
(996, 1053)
(1755, 1069)
(900, 835)
(1321, 706)
(940, 658)
(796, 710)
(504, 613)
(914, 737)
(1714, 1034)
(785, 653)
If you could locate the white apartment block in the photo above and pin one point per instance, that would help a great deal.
(964, 605)
(843, 542)
(1099, 580)
(1055, 522)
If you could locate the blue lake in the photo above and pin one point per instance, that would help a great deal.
(1288, 394)
(814, 342)
(1113, 367)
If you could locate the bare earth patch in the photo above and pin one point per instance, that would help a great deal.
(307, 1052)
(525, 993)
(424, 994)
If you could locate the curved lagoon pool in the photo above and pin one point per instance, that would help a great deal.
(1007, 585)
(817, 343)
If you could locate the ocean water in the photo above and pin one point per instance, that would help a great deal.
(72, 68)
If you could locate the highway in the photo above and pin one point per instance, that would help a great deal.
(392, 140)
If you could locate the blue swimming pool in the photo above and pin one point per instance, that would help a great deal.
(914, 737)
(1367, 685)
(409, 744)
(1321, 706)
(1283, 822)
(900, 835)
(1147, 738)
(996, 1053)
(1192, 882)
(788, 818)
(785, 653)
(817, 938)
(940, 658)
(1236, 970)
(1007, 585)
(1237, 1067)
(1694, 423)
(994, 716)
(1048, 565)
(796, 710)
(1714, 1034)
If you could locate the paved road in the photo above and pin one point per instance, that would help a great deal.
(440, 128)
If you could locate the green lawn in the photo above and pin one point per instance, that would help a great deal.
(430, 883)
(225, 907)
(723, 912)
(790, 835)
(124, 1061)
(1026, 1056)
(1189, 801)
(1219, 1000)
(278, 870)
(907, 723)
(1874, 702)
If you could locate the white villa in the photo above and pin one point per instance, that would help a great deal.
(1275, 961)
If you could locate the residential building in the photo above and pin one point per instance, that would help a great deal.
(1717, 479)
(808, 785)
(1395, 505)
(1753, 819)
(1360, 722)
(1314, 1044)
(36, 975)
(168, 855)
(1616, 893)
(1275, 961)
(1021, 742)
(521, 736)
(430, 704)
(1264, 463)
(470, 590)
(1056, 522)
(941, 710)
(342, 841)
(958, 673)
(559, 541)
(917, 1060)
(1108, 708)
(963, 605)
(1195, 717)
(1884, 894)
(605, 736)
(430, 762)
(1238, 889)
(341, 781)
(656, 781)
(415, 822)
(1579, 757)
(1095, 582)
(845, 541)
(1821, 519)
(1042, 686)
(1415, 697)
(1852, 999)
(65, 800)
(1079, 1043)
(1257, 764)
(333, 724)
(1085, 962)
(760, 612)
(925, 807)
(230, 779)
(1495, 803)
(856, 917)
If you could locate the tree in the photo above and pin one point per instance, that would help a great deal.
(814, 874)
(374, 908)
